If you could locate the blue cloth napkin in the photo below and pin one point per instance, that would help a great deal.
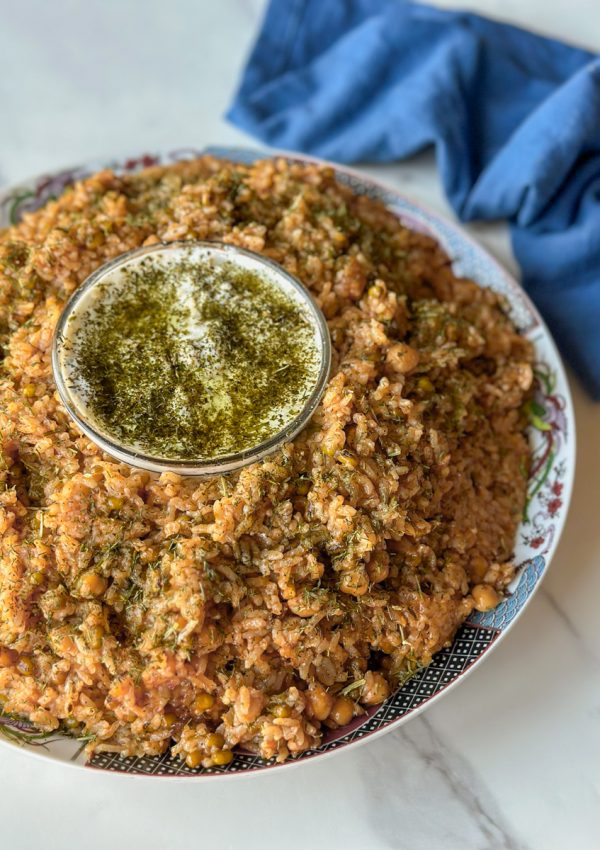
(514, 118)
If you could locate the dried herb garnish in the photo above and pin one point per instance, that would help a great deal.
(187, 360)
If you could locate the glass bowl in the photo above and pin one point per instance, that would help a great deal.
(218, 254)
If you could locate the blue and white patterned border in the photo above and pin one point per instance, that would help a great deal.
(502, 616)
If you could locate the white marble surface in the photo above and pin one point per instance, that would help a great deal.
(510, 759)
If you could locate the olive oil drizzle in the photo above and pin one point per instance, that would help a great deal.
(191, 360)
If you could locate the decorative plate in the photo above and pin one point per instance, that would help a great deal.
(552, 435)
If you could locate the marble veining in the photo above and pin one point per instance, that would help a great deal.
(448, 773)
(580, 640)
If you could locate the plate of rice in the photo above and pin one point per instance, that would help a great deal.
(163, 625)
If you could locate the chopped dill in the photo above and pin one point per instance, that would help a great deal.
(359, 683)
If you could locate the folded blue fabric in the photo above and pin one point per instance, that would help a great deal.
(514, 117)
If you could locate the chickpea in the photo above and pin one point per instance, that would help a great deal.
(215, 740)
(485, 597)
(375, 690)
(194, 759)
(29, 390)
(342, 711)
(222, 757)
(91, 584)
(402, 358)
(25, 665)
(320, 701)
(479, 567)
(170, 718)
(37, 578)
(282, 711)
(115, 503)
(203, 702)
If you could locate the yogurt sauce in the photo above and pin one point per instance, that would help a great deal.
(189, 354)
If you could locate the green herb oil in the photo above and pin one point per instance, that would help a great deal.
(191, 360)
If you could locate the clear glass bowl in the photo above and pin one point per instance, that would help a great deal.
(219, 252)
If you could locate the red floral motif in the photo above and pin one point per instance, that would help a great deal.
(536, 542)
(557, 488)
(146, 160)
(554, 506)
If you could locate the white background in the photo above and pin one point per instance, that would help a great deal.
(511, 758)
